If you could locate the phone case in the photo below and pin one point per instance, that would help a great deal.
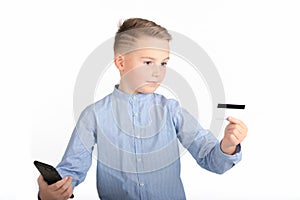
(48, 172)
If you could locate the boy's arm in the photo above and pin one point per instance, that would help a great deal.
(202, 144)
(78, 155)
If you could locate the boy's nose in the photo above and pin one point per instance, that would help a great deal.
(156, 71)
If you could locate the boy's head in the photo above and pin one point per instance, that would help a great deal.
(141, 53)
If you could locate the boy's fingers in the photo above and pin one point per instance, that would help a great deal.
(234, 139)
(233, 120)
(237, 121)
(234, 126)
(67, 185)
(58, 184)
(68, 192)
(67, 188)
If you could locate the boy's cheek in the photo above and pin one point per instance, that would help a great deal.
(134, 80)
(138, 73)
(138, 77)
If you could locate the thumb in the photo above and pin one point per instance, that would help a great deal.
(233, 120)
(41, 181)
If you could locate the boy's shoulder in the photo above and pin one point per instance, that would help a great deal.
(161, 98)
(96, 105)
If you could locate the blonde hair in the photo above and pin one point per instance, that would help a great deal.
(133, 29)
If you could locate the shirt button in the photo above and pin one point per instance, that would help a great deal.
(142, 184)
(136, 114)
(139, 159)
(138, 136)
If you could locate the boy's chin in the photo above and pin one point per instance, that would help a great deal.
(147, 89)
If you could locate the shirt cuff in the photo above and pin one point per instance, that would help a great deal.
(235, 158)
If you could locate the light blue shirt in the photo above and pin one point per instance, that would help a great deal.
(136, 145)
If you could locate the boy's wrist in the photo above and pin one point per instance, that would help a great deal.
(230, 150)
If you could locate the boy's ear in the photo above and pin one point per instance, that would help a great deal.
(119, 62)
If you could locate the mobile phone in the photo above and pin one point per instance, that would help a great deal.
(48, 172)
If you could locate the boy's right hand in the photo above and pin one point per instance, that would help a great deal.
(61, 190)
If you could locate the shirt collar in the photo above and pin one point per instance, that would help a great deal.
(140, 96)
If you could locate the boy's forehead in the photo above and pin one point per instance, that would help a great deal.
(152, 52)
(150, 43)
(150, 47)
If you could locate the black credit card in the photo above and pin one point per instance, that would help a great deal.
(231, 106)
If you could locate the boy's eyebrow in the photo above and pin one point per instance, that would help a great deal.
(148, 57)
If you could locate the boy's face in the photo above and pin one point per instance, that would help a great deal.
(144, 69)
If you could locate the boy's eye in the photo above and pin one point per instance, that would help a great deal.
(164, 64)
(147, 62)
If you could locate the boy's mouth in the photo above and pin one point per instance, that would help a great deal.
(152, 82)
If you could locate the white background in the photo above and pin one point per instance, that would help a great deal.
(255, 46)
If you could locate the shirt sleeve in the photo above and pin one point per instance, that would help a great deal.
(78, 155)
(201, 143)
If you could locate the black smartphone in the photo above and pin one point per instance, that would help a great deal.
(48, 172)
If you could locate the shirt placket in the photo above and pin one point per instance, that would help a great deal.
(136, 117)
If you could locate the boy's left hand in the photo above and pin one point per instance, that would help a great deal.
(235, 133)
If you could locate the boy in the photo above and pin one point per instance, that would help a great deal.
(136, 130)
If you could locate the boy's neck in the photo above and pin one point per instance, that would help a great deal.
(126, 90)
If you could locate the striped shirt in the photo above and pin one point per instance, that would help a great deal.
(135, 139)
